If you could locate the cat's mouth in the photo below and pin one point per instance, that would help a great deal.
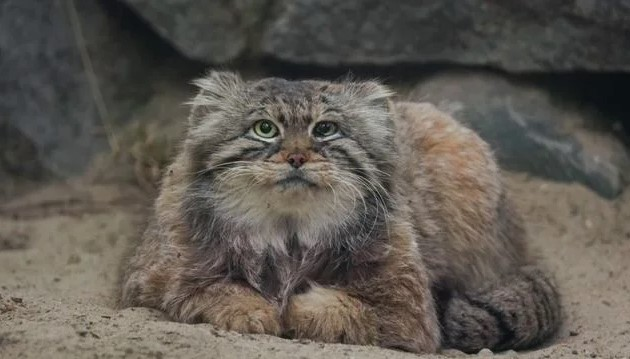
(295, 180)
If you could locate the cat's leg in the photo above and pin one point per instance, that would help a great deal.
(229, 306)
(226, 305)
(332, 315)
(159, 277)
(386, 303)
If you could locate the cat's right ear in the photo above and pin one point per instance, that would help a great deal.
(215, 91)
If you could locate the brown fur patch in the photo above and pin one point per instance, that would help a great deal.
(231, 306)
(330, 315)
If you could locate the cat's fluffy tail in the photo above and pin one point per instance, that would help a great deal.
(520, 311)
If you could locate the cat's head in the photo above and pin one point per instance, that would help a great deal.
(291, 148)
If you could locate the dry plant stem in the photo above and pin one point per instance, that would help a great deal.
(90, 74)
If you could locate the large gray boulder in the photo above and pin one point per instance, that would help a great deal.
(213, 31)
(540, 35)
(530, 132)
(49, 123)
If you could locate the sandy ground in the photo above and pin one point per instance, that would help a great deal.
(61, 249)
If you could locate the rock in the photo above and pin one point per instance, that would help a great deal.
(485, 352)
(530, 36)
(453, 353)
(48, 104)
(539, 35)
(6, 307)
(528, 131)
(17, 300)
(509, 354)
(212, 31)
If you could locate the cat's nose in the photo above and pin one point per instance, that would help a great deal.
(296, 160)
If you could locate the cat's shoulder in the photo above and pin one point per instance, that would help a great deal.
(459, 164)
(437, 134)
(435, 129)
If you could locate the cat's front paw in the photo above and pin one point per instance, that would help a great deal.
(246, 315)
(329, 315)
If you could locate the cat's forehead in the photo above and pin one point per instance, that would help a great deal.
(286, 92)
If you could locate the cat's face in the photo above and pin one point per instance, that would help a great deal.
(291, 148)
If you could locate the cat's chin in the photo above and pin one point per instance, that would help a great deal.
(295, 180)
(295, 183)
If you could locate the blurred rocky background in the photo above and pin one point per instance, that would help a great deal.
(97, 86)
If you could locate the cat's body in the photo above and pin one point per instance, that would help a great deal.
(324, 211)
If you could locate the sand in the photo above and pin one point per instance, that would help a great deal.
(61, 249)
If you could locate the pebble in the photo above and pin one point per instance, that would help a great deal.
(510, 354)
(453, 353)
(7, 307)
(485, 352)
(17, 300)
(588, 224)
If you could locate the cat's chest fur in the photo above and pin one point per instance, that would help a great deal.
(280, 261)
(280, 254)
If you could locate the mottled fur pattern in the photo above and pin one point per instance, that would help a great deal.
(397, 233)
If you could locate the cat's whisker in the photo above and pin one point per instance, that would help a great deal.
(219, 166)
(380, 201)
(356, 190)
(372, 169)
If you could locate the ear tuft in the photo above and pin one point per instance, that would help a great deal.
(214, 89)
(370, 92)
(218, 84)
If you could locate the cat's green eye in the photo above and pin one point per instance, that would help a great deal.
(265, 129)
(325, 129)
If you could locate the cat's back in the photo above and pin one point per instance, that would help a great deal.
(455, 187)
(457, 162)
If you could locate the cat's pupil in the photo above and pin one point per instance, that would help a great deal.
(265, 127)
(324, 129)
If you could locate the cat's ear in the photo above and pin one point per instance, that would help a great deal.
(370, 93)
(216, 89)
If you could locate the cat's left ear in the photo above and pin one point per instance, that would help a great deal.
(216, 89)
(370, 93)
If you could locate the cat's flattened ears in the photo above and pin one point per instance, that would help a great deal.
(371, 93)
(215, 89)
